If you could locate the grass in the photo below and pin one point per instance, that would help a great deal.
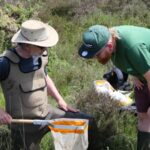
(47, 142)
(72, 75)
(2, 101)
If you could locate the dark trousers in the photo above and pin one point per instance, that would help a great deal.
(25, 140)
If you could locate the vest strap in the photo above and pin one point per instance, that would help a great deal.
(11, 56)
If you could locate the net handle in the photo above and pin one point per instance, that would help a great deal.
(32, 121)
(26, 121)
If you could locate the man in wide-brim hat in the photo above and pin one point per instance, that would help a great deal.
(26, 84)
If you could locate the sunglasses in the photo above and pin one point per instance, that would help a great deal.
(43, 48)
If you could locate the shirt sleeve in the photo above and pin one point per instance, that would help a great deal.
(139, 57)
(4, 68)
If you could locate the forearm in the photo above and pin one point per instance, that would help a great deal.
(52, 90)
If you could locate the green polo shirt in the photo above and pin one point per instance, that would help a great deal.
(133, 50)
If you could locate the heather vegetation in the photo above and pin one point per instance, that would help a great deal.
(74, 76)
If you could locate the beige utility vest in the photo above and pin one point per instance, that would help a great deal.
(25, 93)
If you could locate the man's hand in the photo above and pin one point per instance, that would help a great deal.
(5, 118)
(63, 105)
(137, 83)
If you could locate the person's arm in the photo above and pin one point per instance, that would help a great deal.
(147, 77)
(5, 118)
(52, 90)
(137, 83)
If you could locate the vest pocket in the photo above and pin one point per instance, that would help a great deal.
(31, 86)
(33, 93)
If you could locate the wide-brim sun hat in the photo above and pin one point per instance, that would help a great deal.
(37, 33)
(94, 40)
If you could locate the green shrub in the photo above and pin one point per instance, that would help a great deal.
(5, 140)
(47, 142)
(116, 129)
(7, 28)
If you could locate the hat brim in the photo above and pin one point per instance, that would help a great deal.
(87, 52)
(51, 40)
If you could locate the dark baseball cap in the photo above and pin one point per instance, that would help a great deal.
(94, 39)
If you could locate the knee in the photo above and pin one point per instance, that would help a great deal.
(142, 116)
(90, 118)
(144, 122)
(148, 112)
(85, 116)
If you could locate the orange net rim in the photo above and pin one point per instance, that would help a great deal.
(73, 123)
(65, 131)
